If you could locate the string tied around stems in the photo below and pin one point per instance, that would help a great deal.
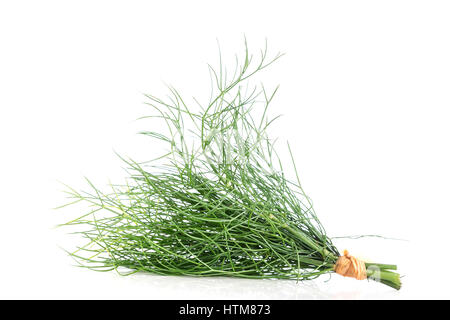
(349, 266)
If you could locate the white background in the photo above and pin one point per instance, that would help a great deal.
(364, 94)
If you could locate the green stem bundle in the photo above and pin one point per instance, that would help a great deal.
(217, 203)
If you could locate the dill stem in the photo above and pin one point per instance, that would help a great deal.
(313, 245)
(391, 279)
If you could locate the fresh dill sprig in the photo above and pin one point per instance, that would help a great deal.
(218, 202)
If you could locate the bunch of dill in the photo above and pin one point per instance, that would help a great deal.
(217, 203)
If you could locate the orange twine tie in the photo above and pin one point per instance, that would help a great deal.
(349, 266)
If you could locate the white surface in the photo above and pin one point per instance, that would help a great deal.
(364, 91)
